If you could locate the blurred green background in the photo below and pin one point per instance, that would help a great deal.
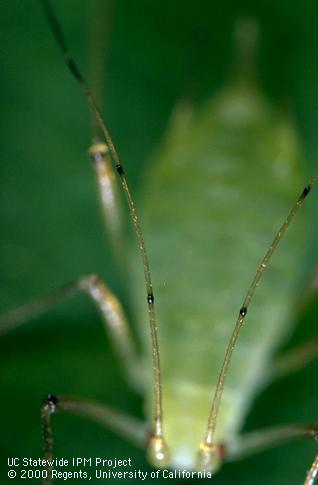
(51, 228)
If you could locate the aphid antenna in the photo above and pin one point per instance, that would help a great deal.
(157, 447)
(208, 450)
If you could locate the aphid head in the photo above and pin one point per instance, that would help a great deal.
(209, 457)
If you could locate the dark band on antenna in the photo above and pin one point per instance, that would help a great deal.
(120, 169)
(57, 31)
(243, 311)
(306, 190)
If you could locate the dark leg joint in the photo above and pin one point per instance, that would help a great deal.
(86, 283)
(50, 403)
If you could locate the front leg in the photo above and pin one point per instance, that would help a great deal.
(128, 427)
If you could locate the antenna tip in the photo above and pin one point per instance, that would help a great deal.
(158, 452)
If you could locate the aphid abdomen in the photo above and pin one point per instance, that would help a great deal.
(219, 187)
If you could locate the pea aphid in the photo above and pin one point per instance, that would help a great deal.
(204, 287)
(231, 155)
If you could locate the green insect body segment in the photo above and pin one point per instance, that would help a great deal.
(218, 188)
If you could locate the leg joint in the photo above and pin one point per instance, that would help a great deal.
(88, 282)
(50, 403)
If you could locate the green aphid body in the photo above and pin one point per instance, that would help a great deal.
(215, 193)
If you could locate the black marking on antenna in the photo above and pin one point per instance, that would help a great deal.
(306, 190)
(150, 298)
(120, 169)
(58, 33)
(243, 311)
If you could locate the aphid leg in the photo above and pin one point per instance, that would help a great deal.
(130, 428)
(312, 286)
(312, 473)
(108, 195)
(113, 317)
(100, 26)
(256, 441)
(294, 359)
